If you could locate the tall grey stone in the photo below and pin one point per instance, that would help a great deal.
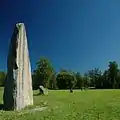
(18, 84)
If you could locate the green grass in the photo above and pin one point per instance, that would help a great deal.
(62, 105)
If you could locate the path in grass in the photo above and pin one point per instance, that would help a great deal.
(81, 105)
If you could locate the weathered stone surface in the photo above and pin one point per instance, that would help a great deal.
(18, 85)
(43, 90)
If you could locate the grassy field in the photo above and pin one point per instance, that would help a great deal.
(62, 105)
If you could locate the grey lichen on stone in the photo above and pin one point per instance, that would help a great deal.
(18, 85)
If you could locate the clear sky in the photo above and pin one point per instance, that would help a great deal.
(74, 34)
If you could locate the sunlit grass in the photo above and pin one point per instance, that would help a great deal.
(62, 105)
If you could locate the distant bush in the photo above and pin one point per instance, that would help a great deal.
(2, 78)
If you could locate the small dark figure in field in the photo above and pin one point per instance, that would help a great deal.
(70, 86)
(41, 90)
(71, 91)
(82, 88)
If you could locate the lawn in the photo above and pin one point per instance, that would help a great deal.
(62, 105)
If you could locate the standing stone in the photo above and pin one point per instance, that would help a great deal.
(18, 84)
(43, 91)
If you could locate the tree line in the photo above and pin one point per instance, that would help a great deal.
(45, 75)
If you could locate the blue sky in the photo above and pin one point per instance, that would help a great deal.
(74, 34)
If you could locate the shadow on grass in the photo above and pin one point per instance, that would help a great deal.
(38, 94)
(1, 106)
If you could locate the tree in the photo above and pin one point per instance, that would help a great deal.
(2, 78)
(52, 81)
(105, 78)
(65, 79)
(95, 77)
(80, 82)
(118, 79)
(35, 82)
(112, 73)
(86, 80)
(43, 73)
